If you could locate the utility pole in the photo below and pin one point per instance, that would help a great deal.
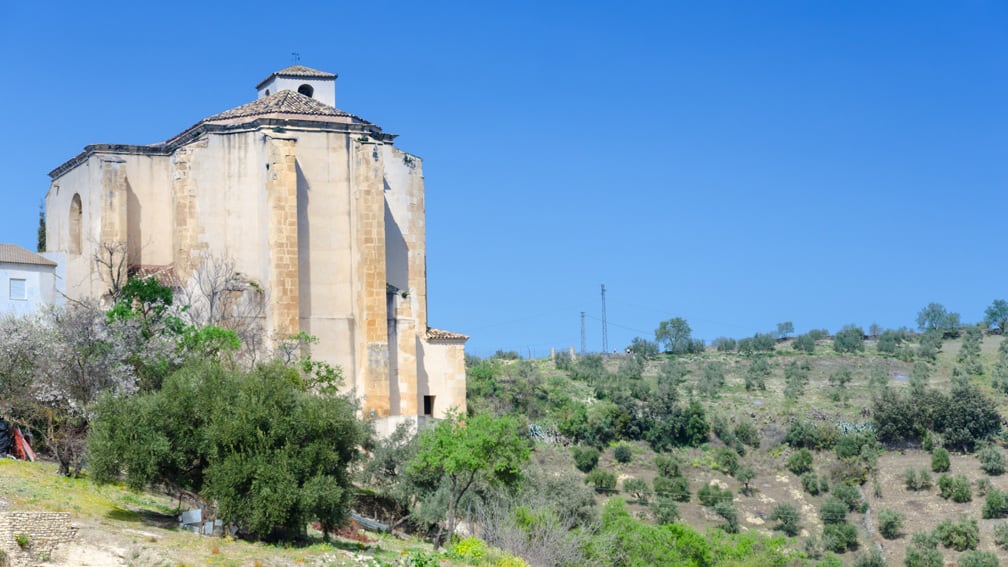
(582, 334)
(605, 325)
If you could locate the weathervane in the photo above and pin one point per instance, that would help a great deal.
(296, 57)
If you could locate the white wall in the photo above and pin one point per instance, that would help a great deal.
(39, 284)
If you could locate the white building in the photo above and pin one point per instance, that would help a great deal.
(30, 281)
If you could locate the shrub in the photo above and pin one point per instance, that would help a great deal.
(940, 459)
(638, 488)
(917, 480)
(850, 496)
(623, 453)
(839, 538)
(471, 549)
(787, 516)
(726, 509)
(746, 432)
(667, 465)
(710, 494)
(995, 504)
(890, 523)
(833, 511)
(974, 558)
(960, 536)
(955, 488)
(727, 461)
(812, 484)
(923, 557)
(991, 460)
(849, 339)
(745, 474)
(676, 488)
(1001, 535)
(800, 462)
(602, 481)
(871, 559)
(585, 458)
(849, 471)
(804, 343)
(665, 510)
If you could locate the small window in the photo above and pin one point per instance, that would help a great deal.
(18, 289)
(428, 405)
(306, 90)
(267, 92)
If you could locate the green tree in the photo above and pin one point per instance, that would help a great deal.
(997, 315)
(756, 374)
(930, 345)
(40, 246)
(999, 375)
(461, 451)
(643, 347)
(890, 523)
(969, 352)
(838, 380)
(787, 517)
(267, 451)
(674, 334)
(920, 373)
(890, 340)
(849, 339)
(785, 329)
(712, 379)
(796, 376)
(935, 317)
(804, 343)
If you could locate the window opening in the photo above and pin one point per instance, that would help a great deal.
(306, 90)
(18, 289)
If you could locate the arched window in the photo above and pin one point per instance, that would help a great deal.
(74, 246)
(306, 90)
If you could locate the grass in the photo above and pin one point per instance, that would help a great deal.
(141, 526)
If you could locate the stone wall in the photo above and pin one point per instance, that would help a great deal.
(44, 531)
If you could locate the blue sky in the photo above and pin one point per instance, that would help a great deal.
(734, 163)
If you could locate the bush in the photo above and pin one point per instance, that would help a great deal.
(711, 494)
(833, 511)
(849, 471)
(667, 465)
(849, 339)
(871, 559)
(813, 484)
(602, 481)
(890, 523)
(727, 461)
(960, 536)
(585, 457)
(850, 496)
(638, 488)
(955, 488)
(804, 343)
(983, 486)
(470, 549)
(991, 460)
(623, 453)
(995, 504)
(976, 558)
(787, 516)
(839, 538)
(677, 488)
(917, 480)
(726, 509)
(1001, 535)
(665, 510)
(940, 459)
(923, 557)
(746, 432)
(800, 462)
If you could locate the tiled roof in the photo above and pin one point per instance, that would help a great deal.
(164, 274)
(283, 102)
(298, 71)
(14, 254)
(439, 335)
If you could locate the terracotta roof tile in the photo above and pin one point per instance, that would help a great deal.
(14, 254)
(283, 102)
(439, 335)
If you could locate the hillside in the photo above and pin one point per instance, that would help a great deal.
(554, 393)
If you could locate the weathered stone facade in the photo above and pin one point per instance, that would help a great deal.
(317, 208)
(40, 533)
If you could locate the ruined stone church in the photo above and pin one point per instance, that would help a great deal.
(320, 213)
